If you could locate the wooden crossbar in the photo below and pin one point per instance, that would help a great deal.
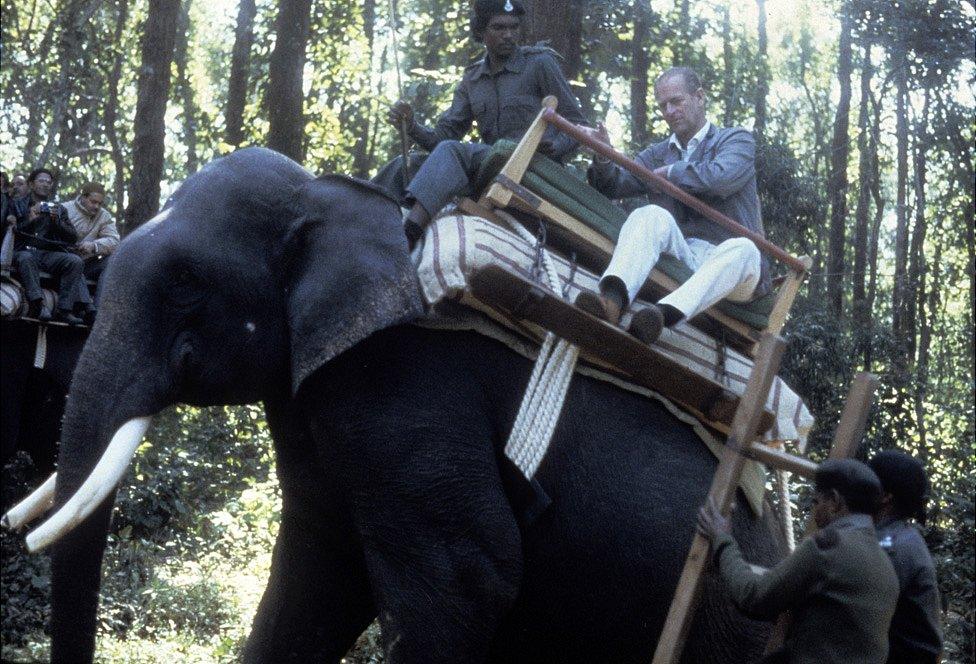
(523, 300)
(663, 185)
(741, 435)
(782, 460)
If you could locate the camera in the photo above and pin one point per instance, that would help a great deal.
(44, 207)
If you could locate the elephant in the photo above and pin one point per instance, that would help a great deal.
(397, 500)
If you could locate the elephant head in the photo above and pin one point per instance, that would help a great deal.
(254, 266)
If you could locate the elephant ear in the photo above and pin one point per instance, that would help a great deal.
(349, 270)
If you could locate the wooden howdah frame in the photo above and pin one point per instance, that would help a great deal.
(506, 190)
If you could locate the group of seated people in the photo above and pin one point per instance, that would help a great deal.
(840, 575)
(70, 241)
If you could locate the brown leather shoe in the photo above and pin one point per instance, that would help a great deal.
(647, 324)
(597, 305)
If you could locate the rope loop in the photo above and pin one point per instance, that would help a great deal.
(543, 401)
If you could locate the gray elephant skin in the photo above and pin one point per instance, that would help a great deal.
(266, 284)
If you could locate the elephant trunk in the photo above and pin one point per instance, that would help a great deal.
(114, 384)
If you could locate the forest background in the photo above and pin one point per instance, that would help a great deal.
(863, 112)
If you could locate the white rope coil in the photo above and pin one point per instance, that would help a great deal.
(785, 507)
(40, 348)
(544, 397)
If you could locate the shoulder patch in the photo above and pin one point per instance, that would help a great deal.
(826, 539)
(541, 47)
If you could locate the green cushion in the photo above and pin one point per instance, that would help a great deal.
(566, 189)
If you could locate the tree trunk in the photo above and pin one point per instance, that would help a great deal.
(148, 150)
(37, 91)
(916, 265)
(901, 211)
(364, 116)
(239, 66)
(837, 184)
(560, 22)
(965, 173)
(639, 81)
(286, 132)
(111, 112)
(72, 17)
(35, 117)
(815, 281)
(682, 50)
(728, 63)
(927, 315)
(762, 73)
(185, 88)
(863, 209)
(879, 205)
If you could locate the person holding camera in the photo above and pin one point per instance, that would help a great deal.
(44, 239)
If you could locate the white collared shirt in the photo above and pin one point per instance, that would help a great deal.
(692, 144)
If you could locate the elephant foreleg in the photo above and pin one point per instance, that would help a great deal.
(442, 546)
(318, 599)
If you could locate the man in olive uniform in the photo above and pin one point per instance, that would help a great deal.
(838, 583)
(503, 93)
(915, 636)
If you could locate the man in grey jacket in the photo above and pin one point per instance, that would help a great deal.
(915, 636)
(715, 164)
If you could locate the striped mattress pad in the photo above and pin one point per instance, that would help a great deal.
(456, 246)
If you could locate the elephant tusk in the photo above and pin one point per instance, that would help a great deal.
(100, 483)
(30, 507)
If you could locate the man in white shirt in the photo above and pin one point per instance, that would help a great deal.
(717, 165)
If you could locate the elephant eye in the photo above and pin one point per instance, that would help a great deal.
(184, 289)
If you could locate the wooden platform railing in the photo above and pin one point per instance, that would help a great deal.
(507, 188)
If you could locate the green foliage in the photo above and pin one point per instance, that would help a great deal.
(189, 548)
(24, 579)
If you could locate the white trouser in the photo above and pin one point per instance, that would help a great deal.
(727, 270)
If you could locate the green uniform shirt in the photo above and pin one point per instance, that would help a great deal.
(505, 103)
(839, 584)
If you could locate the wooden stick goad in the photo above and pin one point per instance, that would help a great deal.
(741, 434)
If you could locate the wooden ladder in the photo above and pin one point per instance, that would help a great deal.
(738, 448)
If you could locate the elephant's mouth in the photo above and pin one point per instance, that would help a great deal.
(102, 480)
